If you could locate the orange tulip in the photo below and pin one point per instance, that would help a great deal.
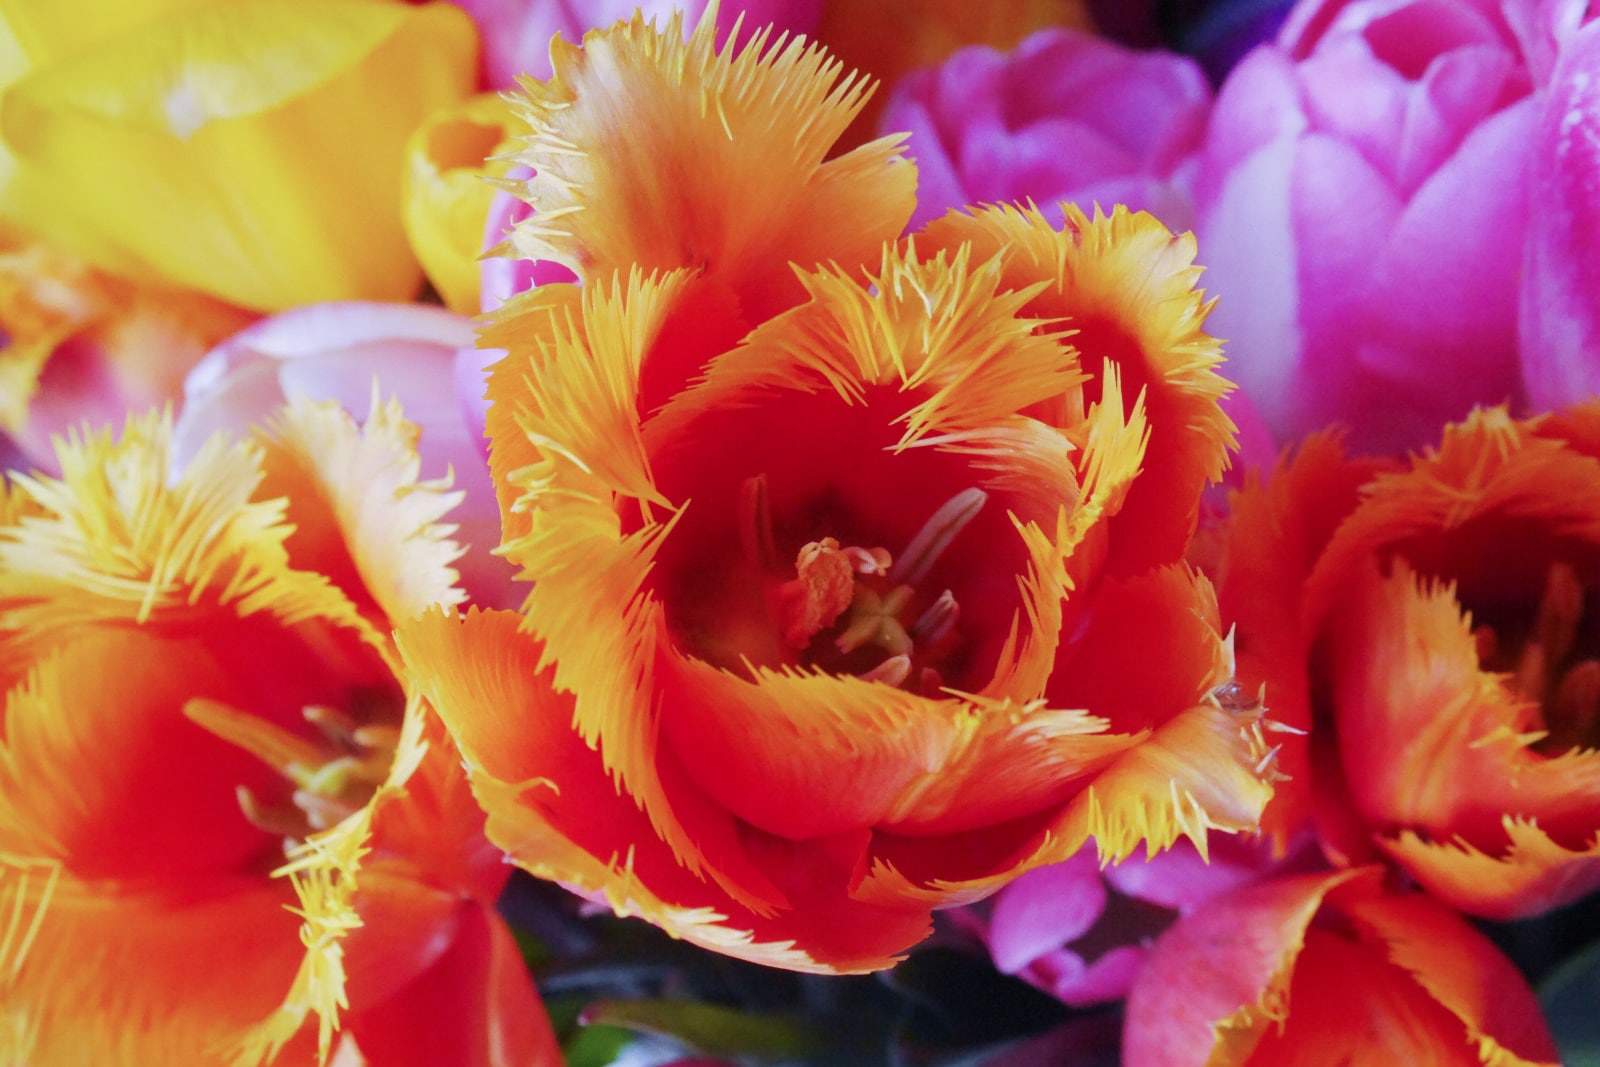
(865, 614)
(1446, 615)
(197, 676)
(1329, 968)
(76, 343)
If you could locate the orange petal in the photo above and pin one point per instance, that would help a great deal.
(86, 779)
(1205, 769)
(119, 976)
(625, 118)
(1530, 875)
(1276, 529)
(1461, 971)
(1491, 478)
(1126, 288)
(1455, 762)
(553, 807)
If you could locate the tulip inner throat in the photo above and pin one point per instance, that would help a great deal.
(1553, 659)
(325, 778)
(863, 611)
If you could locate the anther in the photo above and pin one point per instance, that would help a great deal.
(892, 671)
(935, 536)
(936, 622)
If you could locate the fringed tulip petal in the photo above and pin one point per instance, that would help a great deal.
(634, 111)
(1124, 287)
(223, 124)
(361, 514)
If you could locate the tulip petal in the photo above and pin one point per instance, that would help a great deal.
(474, 1007)
(1216, 981)
(1126, 287)
(199, 110)
(361, 514)
(1045, 909)
(447, 193)
(61, 1010)
(1530, 876)
(1277, 529)
(553, 807)
(610, 193)
(1559, 314)
(1462, 971)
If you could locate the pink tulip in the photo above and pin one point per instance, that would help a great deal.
(1065, 116)
(516, 33)
(1362, 203)
(1081, 934)
(337, 352)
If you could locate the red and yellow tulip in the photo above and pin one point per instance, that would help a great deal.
(847, 554)
(198, 677)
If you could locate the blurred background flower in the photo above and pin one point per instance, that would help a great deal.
(1063, 116)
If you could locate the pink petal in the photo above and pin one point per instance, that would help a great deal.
(1559, 313)
(1045, 909)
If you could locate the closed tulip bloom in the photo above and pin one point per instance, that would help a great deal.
(1063, 116)
(1444, 645)
(238, 149)
(199, 679)
(1330, 968)
(1364, 197)
(846, 620)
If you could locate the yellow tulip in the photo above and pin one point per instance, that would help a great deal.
(447, 194)
(252, 150)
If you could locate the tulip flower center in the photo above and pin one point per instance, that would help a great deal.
(326, 777)
(854, 610)
(1553, 658)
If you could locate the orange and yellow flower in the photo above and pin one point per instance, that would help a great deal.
(1330, 968)
(1445, 618)
(857, 579)
(198, 676)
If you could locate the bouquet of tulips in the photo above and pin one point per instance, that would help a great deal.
(841, 532)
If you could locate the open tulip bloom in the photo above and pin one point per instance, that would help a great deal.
(832, 574)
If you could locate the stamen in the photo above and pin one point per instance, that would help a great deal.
(1575, 708)
(293, 757)
(282, 820)
(935, 623)
(1555, 629)
(755, 523)
(869, 561)
(333, 724)
(935, 536)
(892, 671)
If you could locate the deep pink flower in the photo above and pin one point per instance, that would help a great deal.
(516, 33)
(1065, 116)
(1362, 204)
(339, 352)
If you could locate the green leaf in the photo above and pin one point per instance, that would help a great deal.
(596, 1046)
(1571, 999)
(711, 1029)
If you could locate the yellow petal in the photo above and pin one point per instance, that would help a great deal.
(250, 150)
(447, 195)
